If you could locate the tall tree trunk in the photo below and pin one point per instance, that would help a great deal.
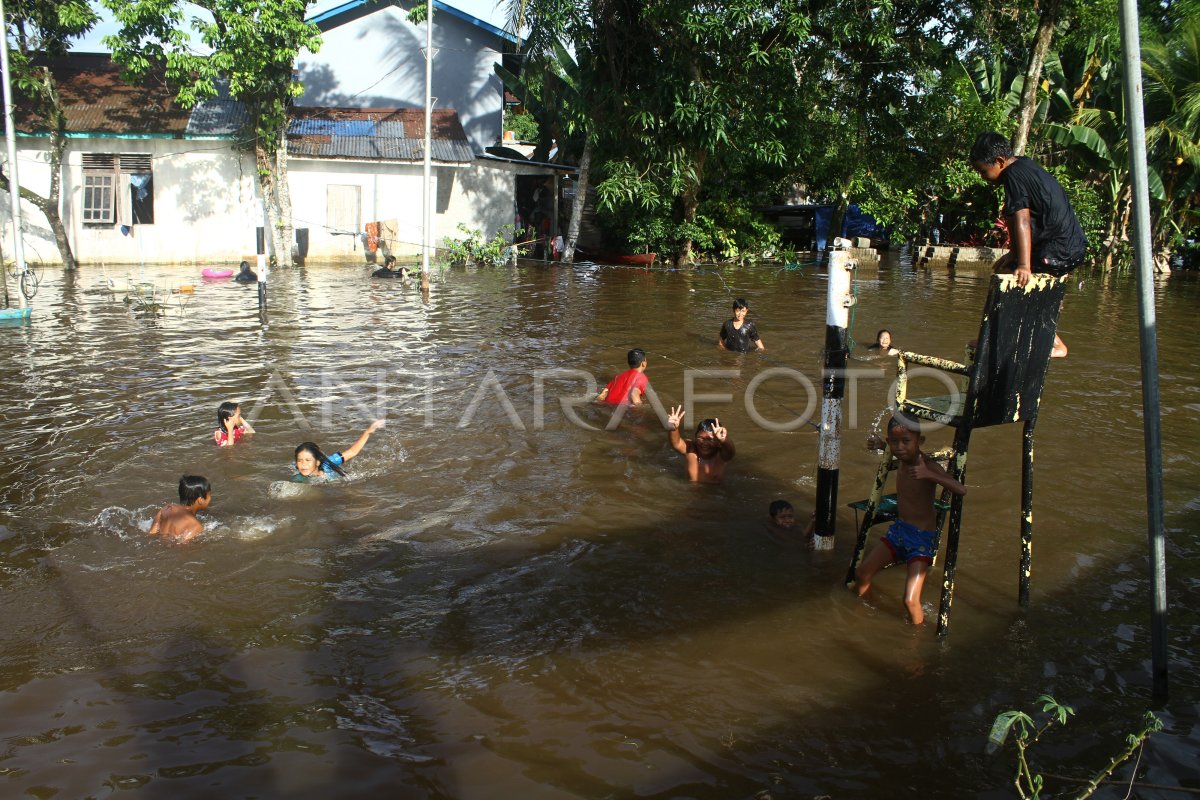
(266, 189)
(48, 205)
(690, 201)
(283, 194)
(268, 181)
(1033, 75)
(49, 208)
(577, 205)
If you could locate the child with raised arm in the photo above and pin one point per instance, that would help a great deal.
(630, 385)
(911, 537)
(707, 454)
(230, 425)
(312, 463)
(178, 521)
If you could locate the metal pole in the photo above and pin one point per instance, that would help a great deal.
(1132, 53)
(833, 386)
(426, 211)
(14, 182)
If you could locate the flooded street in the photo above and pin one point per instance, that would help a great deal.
(505, 600)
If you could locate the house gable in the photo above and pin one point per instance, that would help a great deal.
(372, 57)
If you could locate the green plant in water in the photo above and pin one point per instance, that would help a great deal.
(474, 249)
(1026, 733)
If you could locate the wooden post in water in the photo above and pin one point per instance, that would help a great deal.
(833, 386)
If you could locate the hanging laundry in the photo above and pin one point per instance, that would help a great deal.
(372, 236)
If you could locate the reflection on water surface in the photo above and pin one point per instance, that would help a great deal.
(504, 600)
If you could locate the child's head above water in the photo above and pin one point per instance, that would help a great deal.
(782, 513)
(883, 339)
(226, 410)
(740, 304)
(192, 489)
(636, 357)
(310, 461)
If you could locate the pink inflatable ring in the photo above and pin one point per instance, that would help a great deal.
(213, 272)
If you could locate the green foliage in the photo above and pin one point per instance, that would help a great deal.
(1025, 733)
(39, 27)
(254, 47)
(473, 248)
(523, 126)
(1088, 204)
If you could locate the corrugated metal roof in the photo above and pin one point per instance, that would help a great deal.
(333, 127)
(395, 134)
(97, 100)
(220, 116)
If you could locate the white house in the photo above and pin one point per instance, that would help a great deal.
(142, 179)
(146, 181)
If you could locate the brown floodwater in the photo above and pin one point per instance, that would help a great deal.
(503, 599)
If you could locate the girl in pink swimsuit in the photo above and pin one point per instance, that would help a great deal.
(230, 425)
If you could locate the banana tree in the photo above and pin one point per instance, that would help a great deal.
(561, 112)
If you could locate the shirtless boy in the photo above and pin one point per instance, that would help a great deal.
(707, 454)
(911, 537)
(178, 521)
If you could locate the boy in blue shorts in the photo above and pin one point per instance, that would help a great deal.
(911, 537)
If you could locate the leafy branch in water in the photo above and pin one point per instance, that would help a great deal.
(1026, 733)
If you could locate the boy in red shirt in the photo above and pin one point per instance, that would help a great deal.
(631, 385)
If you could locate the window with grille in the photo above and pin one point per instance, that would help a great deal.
(118, 189)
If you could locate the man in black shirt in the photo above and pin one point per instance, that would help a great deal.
(1044, 232)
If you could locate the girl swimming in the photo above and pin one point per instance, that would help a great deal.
(312, 463)
(230, 425)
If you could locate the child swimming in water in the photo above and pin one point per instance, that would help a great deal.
(230, 425)
(911, 537)
(708, 453)
(178, 521)
(781, 525)
(883, 344)
(312, 463)
(630, 385)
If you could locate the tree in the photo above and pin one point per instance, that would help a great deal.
(560, 111)
(42, 31)
(254, 45)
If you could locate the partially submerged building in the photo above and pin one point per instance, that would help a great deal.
(144, 180)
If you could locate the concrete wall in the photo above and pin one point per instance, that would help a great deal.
(205, 204)
(206, 208)
(375, 61)
(479, 196)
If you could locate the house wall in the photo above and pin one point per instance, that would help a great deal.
(205, 204)
(478, 196)
(375, 61)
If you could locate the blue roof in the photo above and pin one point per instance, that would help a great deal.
(333, 127)
(329, 19)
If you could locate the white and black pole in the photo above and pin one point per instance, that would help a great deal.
(833, 386)
(261, 259)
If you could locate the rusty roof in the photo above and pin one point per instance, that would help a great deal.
(97, 100)
(377, 133)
